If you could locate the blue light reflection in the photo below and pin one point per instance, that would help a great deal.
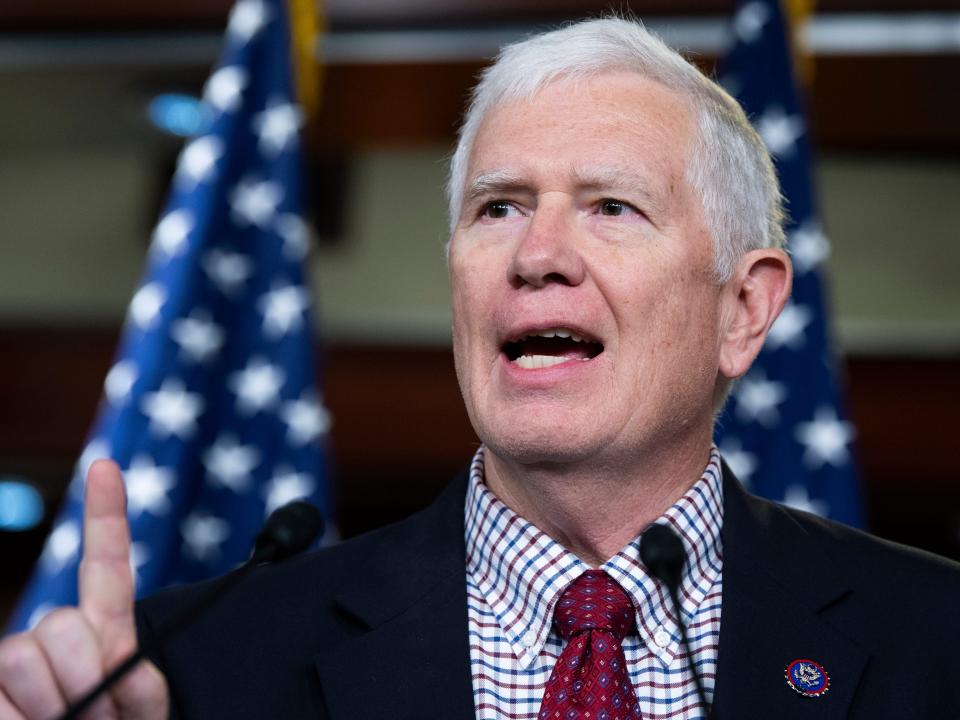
(21, 507)
(178, 114)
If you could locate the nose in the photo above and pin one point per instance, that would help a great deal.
(547, 251)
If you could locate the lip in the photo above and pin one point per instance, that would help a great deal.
(572, 371)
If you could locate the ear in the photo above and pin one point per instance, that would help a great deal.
(753, 298)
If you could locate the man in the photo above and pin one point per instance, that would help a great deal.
(615, 264)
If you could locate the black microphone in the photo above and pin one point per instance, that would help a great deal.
(289, 530)
(661, 550)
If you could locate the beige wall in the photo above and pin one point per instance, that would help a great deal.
(895, 228)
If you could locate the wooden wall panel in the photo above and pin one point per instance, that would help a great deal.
(858, 103)
(905, 412)
(392, 105)
(400, 430)
(887, 103)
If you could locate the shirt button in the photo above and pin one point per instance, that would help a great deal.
(661, 637)
(529, 638)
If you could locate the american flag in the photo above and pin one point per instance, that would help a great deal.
(211, 407)
(784, 431)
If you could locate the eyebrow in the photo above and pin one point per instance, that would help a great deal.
(492, 183)
(619, 178)
(612, 178)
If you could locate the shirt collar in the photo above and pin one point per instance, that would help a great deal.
(521, 571)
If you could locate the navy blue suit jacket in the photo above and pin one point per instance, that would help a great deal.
(376, 627)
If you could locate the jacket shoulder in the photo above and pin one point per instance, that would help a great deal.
(900, 574)
(310, 579)
(252, 653)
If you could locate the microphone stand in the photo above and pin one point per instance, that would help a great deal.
(178, 622)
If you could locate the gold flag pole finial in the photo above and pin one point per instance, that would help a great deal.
(306, 25)
(798, 15)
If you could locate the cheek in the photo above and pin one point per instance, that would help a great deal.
(671, 325)
(458, 270)
(471, 308)
(462, 332)
(696, 352)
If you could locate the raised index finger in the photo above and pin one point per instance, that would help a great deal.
(105, 579)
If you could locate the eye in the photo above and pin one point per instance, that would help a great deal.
(499, 209)
(615, 208)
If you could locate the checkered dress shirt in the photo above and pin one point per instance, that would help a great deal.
(516, 573)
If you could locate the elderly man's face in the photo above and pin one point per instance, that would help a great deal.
(586, 315)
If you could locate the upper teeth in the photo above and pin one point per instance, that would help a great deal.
(556, 332)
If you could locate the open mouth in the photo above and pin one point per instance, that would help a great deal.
(553, 346)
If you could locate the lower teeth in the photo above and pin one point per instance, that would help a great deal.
(535, 362)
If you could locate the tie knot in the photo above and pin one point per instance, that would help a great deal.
(594, 601)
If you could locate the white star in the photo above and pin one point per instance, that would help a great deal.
(198, 161)
(61, 547)
(139, 556)
(295, 234)
(119, 382)
(285, 486)
(306, 419)
(146, 305)
(247, 19)
(789, 327)
(749, 21)
(798, 498)
(228, 271)
(808, 246)
(780, 131)
(282, 310)
(254, 202)
(202, 536)
(277, 126)
(825, 439)
(229, 463)
(257, 386)
(199, 338)
(171, 232)
(743, 463)
(224, 89)
(95, 450)
(172, 410)
(147, 487)
(757, 399)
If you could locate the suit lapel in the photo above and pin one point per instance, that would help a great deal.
(779, 584)
(412, 660)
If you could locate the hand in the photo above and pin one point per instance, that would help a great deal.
(72, 649)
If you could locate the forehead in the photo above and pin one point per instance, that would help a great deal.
(581, 127)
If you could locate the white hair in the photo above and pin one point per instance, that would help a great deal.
(729, 166)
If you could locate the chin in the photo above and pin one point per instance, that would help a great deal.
(543, 446)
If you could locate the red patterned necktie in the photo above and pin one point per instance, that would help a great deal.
(590, 680)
